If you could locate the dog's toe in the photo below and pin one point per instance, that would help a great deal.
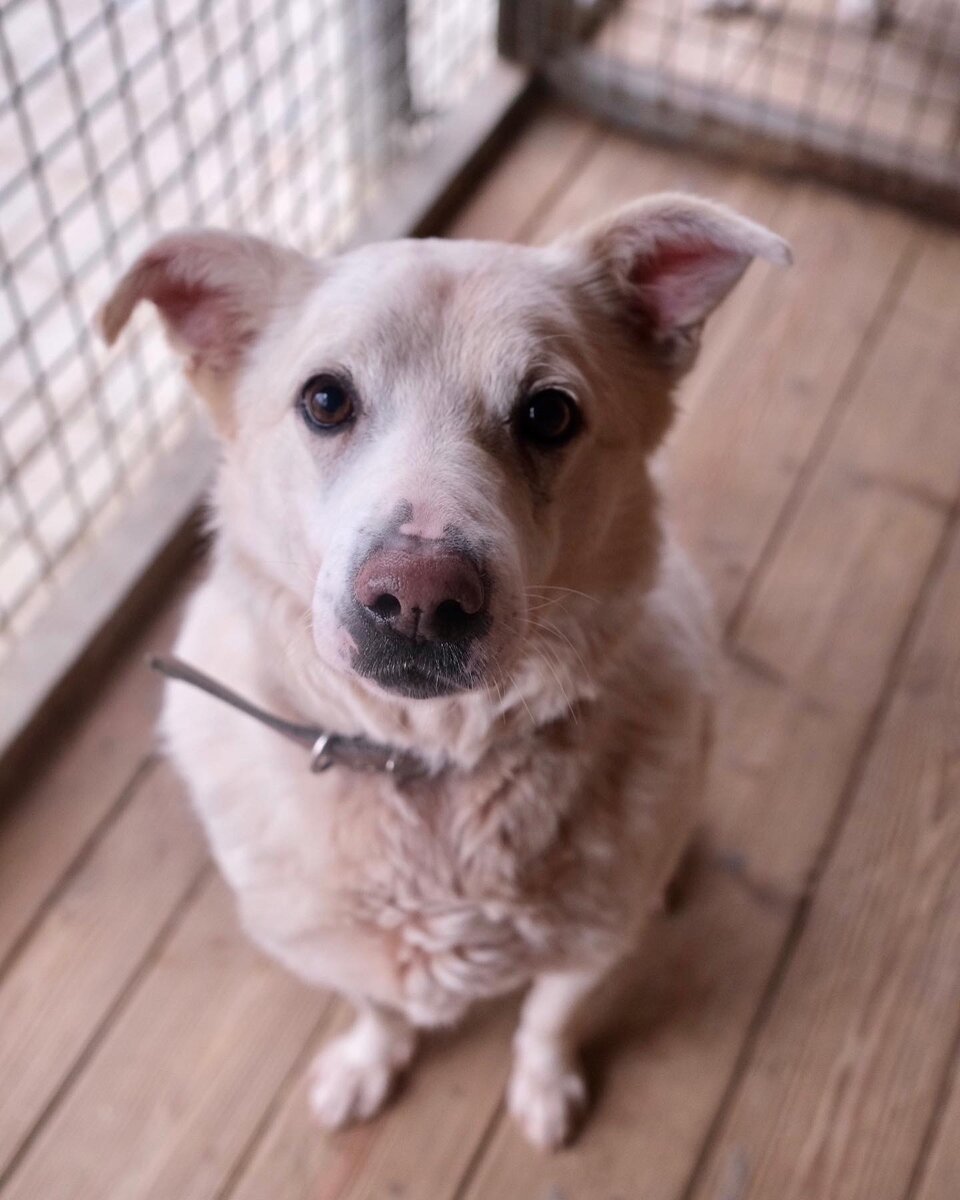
(547, 1102)
(344, 1088)
(353, 1075)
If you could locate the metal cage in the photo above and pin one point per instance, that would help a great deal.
(862, 92)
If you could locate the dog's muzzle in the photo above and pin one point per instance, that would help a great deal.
(417, 615)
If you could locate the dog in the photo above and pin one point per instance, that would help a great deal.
(438, 529)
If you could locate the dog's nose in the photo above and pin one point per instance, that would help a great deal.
(423, 592)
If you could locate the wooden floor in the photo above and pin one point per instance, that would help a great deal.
(794, 1031)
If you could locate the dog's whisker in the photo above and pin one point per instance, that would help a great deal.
(551, 602)
(552, 664)
(552, 587)
(551, 629)
(522, 699)
(299, 629)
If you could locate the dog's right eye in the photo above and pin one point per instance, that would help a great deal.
(326, 403)
(547, 418)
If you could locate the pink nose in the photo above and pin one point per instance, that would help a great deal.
(422, 592)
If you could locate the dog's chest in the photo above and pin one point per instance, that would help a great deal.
(468, 891)
(447, 950)
(452, 891)
(432, 898)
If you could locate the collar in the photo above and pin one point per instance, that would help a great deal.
(327, 749)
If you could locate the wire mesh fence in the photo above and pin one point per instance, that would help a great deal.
(865, 92)
(121, 119)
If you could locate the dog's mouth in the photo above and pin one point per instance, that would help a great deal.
(418, 670)
(411, 681)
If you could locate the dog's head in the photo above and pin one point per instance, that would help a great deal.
(428, 442)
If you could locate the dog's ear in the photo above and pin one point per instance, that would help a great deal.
(667, 262)
(216, 292)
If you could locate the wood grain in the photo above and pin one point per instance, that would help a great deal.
(536, 168)
(845, 1076)
(940, 1171)
(184, 1076)
(89, 945)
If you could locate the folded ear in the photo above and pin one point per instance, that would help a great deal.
(670, 259)
(215, 291)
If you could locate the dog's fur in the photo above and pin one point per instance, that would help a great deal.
(566, 777)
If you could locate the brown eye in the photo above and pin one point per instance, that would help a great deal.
(547, 418)
(326, 403)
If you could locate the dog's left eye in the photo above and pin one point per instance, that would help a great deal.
(326, 402)
(547, 418)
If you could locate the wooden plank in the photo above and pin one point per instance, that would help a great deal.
(922, 357)
(941, 1170)
(181, 1081)
(77, 786)
(89, 945)
(531, 173)
(624, 168)
(892, 491)
(846, 1074)
(859, 554)
(906, 442)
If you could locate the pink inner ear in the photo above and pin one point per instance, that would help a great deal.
(203, 319)
(679, 284)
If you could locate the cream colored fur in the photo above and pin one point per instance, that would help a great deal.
(568, 781)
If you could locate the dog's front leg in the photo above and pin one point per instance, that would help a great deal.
(547, 1092)
(353, 1075)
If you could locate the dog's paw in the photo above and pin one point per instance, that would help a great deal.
(352, 1078)
(547, 1101)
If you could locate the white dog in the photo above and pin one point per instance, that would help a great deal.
(439, 539)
